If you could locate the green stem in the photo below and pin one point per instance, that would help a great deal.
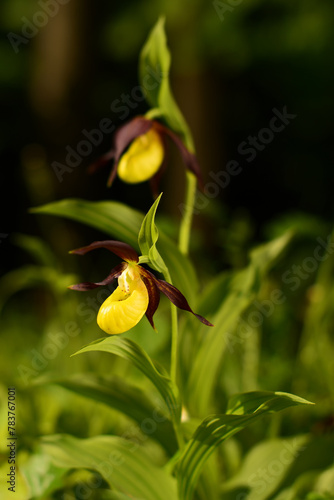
(178, 434)
(184, 237)
(174, 339)
(174, 349)
(174, 358)
(185, 227)
(153, 113)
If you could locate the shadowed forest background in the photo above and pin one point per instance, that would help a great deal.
(230, 67)
(254, 80)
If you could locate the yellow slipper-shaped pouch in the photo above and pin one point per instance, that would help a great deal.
(125, 307)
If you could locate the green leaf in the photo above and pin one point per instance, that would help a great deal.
(316, 456)
(123, 223)
(264, 256)
(128, 399)
(216, 428)
(41, 475)
(129, 350)
(114, 495)
(285, 469)
(265, 467)
(123, 464)
(148, 237)
(37, 248)
(248, 402)
(236, 293)
(208, 357)
(155, 60)
(33, 276)
(112, 218)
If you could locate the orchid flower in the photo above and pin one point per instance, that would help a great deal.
(139, 153)
(138, 291)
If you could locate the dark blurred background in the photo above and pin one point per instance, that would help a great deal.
(65, 63)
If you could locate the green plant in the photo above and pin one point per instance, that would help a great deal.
(182, 407)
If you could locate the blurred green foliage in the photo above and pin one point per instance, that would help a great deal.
(230, 69)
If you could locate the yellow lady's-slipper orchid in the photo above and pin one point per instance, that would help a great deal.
(126, 306)
(143, 158)
(138, 291)
(139, 153)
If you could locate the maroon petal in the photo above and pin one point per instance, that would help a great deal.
(115, 273)
(124, 136)
(154, 297)
(174, 295)
(122, 250)
(101, 162)
(189, 158)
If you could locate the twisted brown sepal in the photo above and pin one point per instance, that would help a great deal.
(122, 250)
(189, 158)
(122, 138)
(101, 162)
(154, 298)
(172, 293)
(87, 285)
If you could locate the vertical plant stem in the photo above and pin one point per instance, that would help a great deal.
(186, 221)
(174, 358)
(184, 237)
(174, 338)
(174, 349)
(173, 369)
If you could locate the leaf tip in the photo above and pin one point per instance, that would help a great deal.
(75, 353)
(161, 21)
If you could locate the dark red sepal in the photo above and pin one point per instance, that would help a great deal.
(86, 286)
(122, 250)
(153, 294)
(122, 139)
(101, 162)
(174, 295)
(179, 300)
(189, 158)
(124, 136)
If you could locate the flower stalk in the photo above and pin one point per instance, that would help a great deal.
(174, 336)
(185, 226)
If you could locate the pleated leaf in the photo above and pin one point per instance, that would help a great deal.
(128, 399)
(275, 458)
(237, 293)
(208, 358)
(248, 402)
(216, 428)
(123, 223)
(123, 464)
(285, 469)
(129, 350)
